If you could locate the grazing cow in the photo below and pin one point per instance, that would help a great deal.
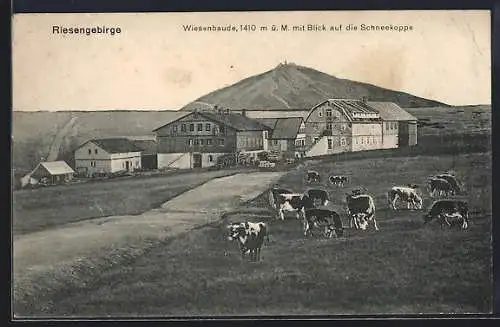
(404, 193)
(313, 176)
(439, 185)
(274, 196)
(250, 237)
(338, 180)
(294, 202)
(449, 212)
(328, 219)
(455, 188)
(361, 210)
(316, 194)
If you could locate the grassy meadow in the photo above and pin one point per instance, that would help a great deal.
(406, 267)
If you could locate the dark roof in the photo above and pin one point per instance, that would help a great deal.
(355, 110)
(269, 122)
(391, 111)
(236, 121)
(148, 147)
(116, 145)
(286, 128)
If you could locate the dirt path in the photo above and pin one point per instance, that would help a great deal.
(58, 139)
(42, 253)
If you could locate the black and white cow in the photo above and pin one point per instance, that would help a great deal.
(361, 210)
(439, 185)
(452, 180)
(407, 194)
(449, 212)
(274, 195)
(325, 219)
(338, 180)
(313, 176)
(294, 202)
(318, 194)
(250, 237)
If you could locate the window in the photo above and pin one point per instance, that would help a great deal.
(221, 129)
(329, 126)
(395, 125)
(265, 135)
(183, 127)
(342, 141)
(90, 152)
(200, 127)
(196, 142)
(210, 158)
(190, 142)
(191, 127)
(315, 139)
(95, 151)
(207, 127)
(320, 113)
(209, 141)
(343, 127)
(330, 144)
(174, 128)
(328, 112)
(362, 140)
(221, 141)
(202, 141)
(275, 142)
(386, 126)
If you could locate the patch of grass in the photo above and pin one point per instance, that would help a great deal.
(35, 210)
(404, 268)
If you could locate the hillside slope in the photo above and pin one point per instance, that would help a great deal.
(298, 87)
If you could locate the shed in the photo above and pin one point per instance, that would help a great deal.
(149, 153)
(53, 172)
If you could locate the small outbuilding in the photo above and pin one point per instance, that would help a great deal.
(54, 172)
(149, 153)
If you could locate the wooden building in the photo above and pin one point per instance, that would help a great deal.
(110, 155)
(288, 135)
(53, 172)
(198, 138)
(343, 125)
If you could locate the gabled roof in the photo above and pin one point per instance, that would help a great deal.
(235, 121)
(269, 122)
(286, 128)
(391, 111)
(181, 115)
(56, 167)
(148, 147)
(116, 145)
(355, 110)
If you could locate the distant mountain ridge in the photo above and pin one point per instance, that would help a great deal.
(297, 87)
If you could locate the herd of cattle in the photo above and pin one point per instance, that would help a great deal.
(312, 206)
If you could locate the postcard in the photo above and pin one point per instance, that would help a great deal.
(251, 164)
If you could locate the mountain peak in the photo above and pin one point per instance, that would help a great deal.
(292, 86)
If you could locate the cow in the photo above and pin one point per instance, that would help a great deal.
(361, 210)
(440, 185)
(449, 212)
(274, 196)
(404, 193)
(294, 202)
(455, 188)
(328, 219)
(317, 194)
(313, 176)
(250, 237)
(338, 180)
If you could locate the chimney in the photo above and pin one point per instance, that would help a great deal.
(244, 112)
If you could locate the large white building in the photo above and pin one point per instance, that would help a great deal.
(107, 156)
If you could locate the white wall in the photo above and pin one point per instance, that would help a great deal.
(318, 149)
(205, 159)
(390, 131)
(83, 152)
(174, 160)
(366, 137)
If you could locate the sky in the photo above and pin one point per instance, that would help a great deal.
(154, 64)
